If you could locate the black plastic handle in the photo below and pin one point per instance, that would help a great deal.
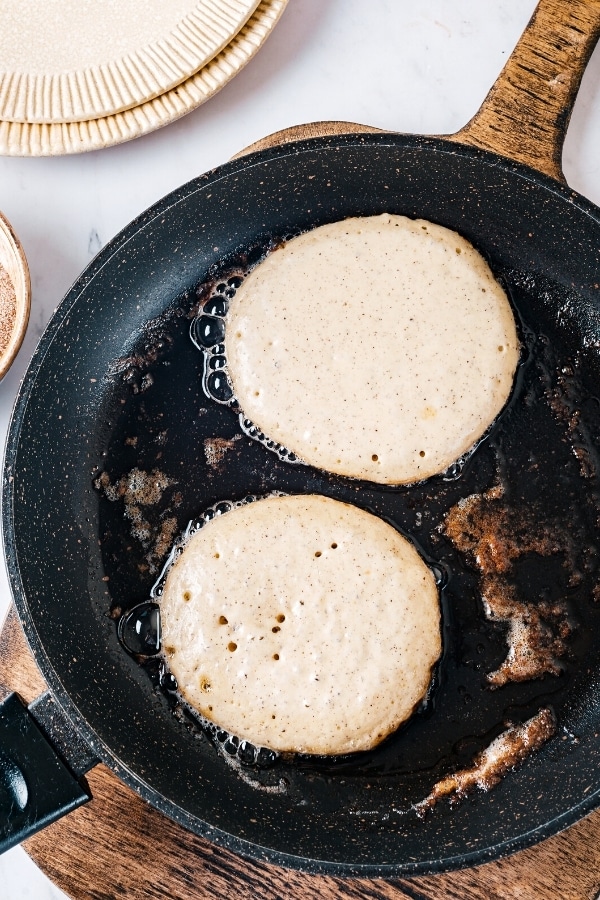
(37, 786)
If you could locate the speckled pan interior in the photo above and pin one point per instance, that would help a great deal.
(115, 385)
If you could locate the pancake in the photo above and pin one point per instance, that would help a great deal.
(301, 624)
(378, 348)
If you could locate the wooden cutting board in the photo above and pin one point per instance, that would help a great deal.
(117, 846)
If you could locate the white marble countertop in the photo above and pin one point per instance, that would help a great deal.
(396, 64)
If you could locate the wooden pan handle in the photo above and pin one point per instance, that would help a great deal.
(527, 111)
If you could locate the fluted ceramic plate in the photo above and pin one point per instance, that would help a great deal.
(72, 60)
(56, 139)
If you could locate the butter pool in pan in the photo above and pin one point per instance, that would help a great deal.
(505, 487)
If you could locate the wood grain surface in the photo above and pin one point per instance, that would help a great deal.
(118, 846)
(526, 113)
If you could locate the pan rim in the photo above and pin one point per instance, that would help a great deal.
(115, 246)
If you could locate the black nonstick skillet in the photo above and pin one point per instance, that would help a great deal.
(106, 460)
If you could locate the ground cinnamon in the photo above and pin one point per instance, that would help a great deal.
(8, 309)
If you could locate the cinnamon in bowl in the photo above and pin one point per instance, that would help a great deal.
(15, 295)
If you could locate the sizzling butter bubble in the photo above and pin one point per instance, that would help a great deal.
(139, 630)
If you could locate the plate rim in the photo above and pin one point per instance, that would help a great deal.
(65, 93)
(32, 139)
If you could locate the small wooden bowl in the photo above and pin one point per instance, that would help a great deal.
(14, 262)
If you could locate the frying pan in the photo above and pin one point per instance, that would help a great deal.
(114, 388)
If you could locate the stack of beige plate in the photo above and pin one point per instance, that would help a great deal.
(79, 75)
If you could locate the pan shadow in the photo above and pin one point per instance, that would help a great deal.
(580, 154)
(299, 26)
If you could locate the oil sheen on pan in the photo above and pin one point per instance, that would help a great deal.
(532, 475)
(379, 348)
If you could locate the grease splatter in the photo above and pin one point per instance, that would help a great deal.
(139, 489)
(215, 448)
(503, 755)
(493, 536)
